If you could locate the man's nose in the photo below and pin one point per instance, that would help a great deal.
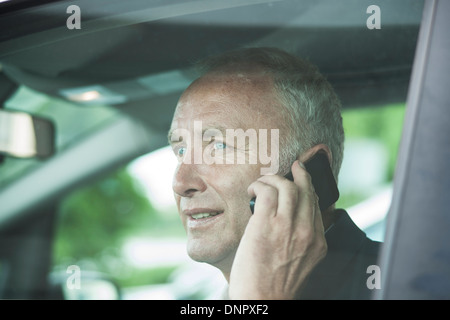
(187, 181)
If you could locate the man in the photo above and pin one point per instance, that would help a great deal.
(287, 249)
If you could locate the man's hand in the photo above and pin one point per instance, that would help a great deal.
(284, 239)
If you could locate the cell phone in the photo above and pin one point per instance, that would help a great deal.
(322, 179)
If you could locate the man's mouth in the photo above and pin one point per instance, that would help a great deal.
(203, 215)
(202, 218)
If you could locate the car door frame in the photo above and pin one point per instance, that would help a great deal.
(415, 259)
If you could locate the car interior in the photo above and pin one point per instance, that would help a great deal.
(110, 88)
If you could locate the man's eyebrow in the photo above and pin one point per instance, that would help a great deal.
(208, 131)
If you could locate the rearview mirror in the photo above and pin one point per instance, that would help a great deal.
(25, 136)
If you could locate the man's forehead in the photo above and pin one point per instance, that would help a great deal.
(228, 88)
(214, 118)
(227, 101)
(189, 109)
(211, 106)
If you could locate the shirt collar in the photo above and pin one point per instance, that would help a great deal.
(344, 239)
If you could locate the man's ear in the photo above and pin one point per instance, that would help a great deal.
(308, 154)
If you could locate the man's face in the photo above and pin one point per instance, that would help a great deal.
(220, 190)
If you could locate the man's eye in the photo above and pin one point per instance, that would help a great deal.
(219, 145)
(180, 151)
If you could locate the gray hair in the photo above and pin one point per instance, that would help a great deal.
(312, 108)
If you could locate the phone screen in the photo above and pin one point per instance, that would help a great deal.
(322, 179)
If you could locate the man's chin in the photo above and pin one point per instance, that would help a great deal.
(203, 254)
(221, 258)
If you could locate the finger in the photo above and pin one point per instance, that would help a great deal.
(267, 198)
(288, 194)
(301, 175)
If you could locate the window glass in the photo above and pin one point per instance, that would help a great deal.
(137, 57)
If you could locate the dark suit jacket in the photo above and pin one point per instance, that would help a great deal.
(342, 274)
